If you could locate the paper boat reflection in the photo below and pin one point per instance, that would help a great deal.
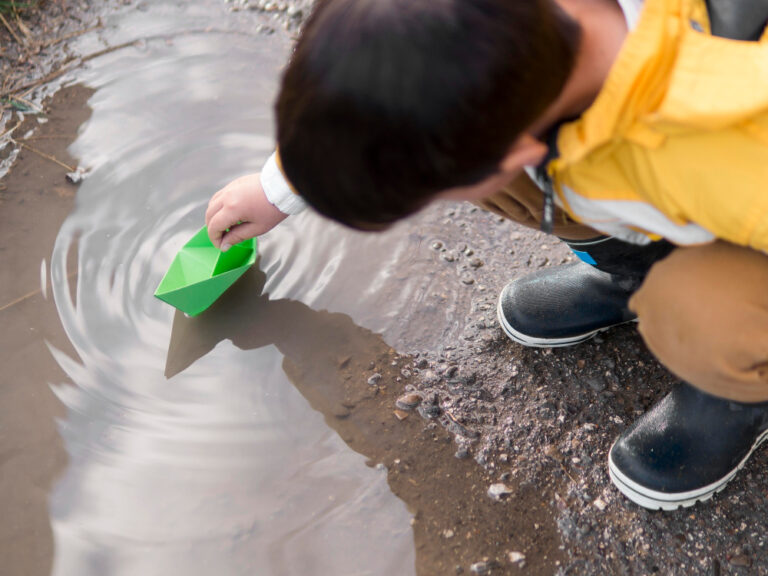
(200, 273)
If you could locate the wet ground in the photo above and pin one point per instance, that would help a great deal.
(34, 201)
(344, 409)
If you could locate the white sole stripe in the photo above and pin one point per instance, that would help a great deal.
(655, 500)
(537, 342)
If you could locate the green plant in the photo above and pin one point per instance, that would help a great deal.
(17, 5)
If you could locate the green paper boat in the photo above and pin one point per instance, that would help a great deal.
(200, 273)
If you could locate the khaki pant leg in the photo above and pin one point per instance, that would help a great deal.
(523, 202)
(703, 311)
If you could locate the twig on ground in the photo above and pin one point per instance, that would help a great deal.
(47, 156)
(26, 102)
(10, 130)
(29, 295)
(70, 36)
(11, 30)
(27, 88)
(66, 66)
(22, 26)
(48, 137)
(74, 61)
(567, 474)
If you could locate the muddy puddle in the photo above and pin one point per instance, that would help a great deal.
(259, 438)
(345, 409)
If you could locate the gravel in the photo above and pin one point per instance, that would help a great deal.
(546, 418)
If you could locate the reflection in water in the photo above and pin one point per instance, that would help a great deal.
(203, 457)
(223, 466)
(328, 359)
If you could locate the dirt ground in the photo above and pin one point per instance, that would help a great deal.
(480, 412)
(546, 418)
(35, 198)
(34, 55)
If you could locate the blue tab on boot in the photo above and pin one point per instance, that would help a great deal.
(584, 257)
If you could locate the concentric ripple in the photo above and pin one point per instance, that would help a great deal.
(190, 450)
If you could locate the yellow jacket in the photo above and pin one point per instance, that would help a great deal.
(676, 144)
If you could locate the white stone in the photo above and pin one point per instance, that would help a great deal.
(499, 491)
(515, 557)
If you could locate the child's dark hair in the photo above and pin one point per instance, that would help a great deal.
(387, 102)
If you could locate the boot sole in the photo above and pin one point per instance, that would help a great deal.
(540, 342)
(667, 501)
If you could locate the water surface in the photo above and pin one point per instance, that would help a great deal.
(190, 449)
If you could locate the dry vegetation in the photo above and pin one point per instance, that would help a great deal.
(16, 7)
(34, 37)
(32, 34)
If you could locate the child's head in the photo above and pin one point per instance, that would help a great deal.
(386, 103)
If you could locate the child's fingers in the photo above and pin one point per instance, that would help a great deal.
(218, 225)
(238, 234)
(213, 207)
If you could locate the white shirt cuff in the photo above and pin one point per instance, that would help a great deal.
(278, 191)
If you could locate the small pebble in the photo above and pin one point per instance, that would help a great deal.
(599, 504)
(453, 425)
(597, 384)
(480, 568)
(430, 410)
(341, 412)
(400, 415)
(516, 557)
(77, 176)
(499, 490)
(462, 453)
(741, 560)
(408, 401)
(374, 380)
(448, 534)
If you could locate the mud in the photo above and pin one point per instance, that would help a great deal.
(266, 435)
(34, 201)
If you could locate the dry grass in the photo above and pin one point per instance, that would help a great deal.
(12, 11)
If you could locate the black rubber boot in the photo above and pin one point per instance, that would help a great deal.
(685, 448)
(568, 304)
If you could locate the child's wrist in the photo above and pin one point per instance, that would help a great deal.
(277, 190)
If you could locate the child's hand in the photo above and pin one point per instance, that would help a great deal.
(240, 211)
